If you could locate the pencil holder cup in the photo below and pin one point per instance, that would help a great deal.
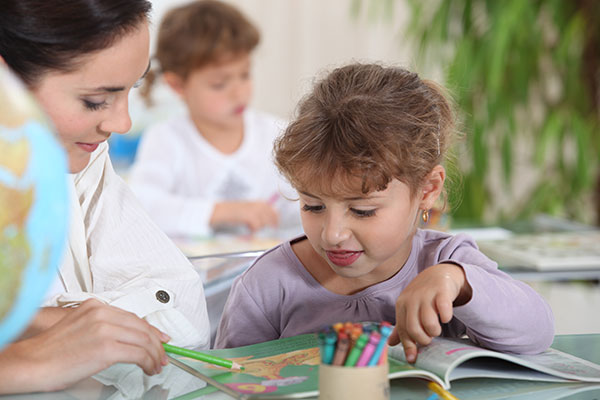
(354, 383)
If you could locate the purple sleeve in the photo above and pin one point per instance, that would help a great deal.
(243, 321)
(503, 314)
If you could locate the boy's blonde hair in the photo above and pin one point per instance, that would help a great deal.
(362, 126)
(198, 34)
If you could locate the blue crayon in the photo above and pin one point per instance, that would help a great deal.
(385, 331)
(368, 328)
(329, 348)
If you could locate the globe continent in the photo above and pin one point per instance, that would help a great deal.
(33, 206)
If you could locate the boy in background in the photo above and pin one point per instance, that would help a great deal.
(211, 170)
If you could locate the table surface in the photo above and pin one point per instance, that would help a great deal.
(173, 382)
(115, 382)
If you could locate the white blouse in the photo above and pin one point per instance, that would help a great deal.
(117, 255)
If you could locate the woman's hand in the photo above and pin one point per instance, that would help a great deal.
(44, 319)
(87, 340)
(426, 301)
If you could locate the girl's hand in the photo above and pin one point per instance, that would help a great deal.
(255, 215)
(426, 301)
(87, 340)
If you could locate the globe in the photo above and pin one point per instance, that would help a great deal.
(33, 206)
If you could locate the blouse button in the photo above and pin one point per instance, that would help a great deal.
(163, 296)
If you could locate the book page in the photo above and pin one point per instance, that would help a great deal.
(488, 367)
(439, 357)
(501, 389)
(277, 369)
(403, 370)
(459, 358)
(561, 364)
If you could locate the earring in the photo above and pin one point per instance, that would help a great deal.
(425, 216)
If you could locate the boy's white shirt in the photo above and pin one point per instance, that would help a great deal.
(116, 254)
(179, 176)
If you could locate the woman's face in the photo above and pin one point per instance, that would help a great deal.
(91, 102)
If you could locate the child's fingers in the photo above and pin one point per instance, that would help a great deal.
(262, 215)
(253, 224)
(444, 308)
(414, 327)
(430, 322)
(410, 349)
(394, 338)
(272, 218)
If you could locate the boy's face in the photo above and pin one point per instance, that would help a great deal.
(368, 237)
(217, 94)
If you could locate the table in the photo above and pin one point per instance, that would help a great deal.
(173, 382)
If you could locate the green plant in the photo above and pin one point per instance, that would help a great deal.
(524, 74)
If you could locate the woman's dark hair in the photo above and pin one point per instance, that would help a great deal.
(38, 36)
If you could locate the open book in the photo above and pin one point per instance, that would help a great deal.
(446, 360)
(288, 368)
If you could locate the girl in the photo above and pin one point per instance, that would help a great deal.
(80, 58)
(365, 155)
(210, 170)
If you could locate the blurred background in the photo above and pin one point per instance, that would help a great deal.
(524, 75)
(525, 78)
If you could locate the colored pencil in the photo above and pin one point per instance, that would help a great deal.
(440, 391)
(208, 379)
(207, 358)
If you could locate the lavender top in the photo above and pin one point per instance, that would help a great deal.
(277, 297)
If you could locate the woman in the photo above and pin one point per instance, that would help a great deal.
(80, 58)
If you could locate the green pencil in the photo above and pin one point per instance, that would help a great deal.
(222, 362)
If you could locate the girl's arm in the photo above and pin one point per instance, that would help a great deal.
(504, 314)
(467, 293)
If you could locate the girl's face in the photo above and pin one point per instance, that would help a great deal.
(365, 239)
(363, 236)
(90, 103)
(217, 94)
